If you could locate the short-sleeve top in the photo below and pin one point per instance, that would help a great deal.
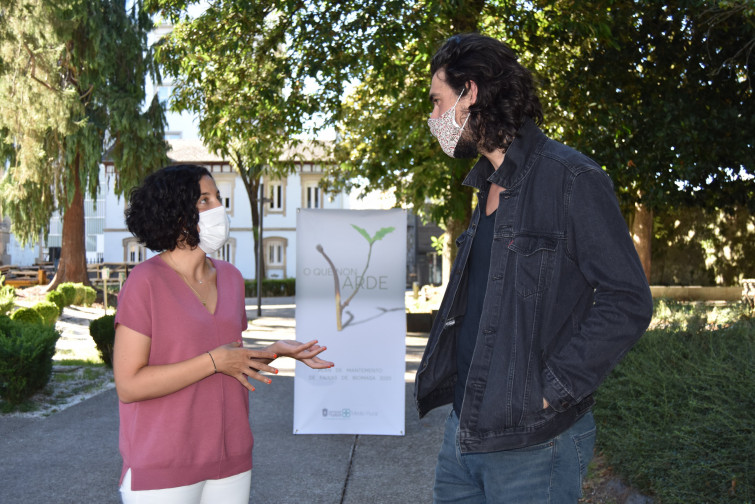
(202, 431)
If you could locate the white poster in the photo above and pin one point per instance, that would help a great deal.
(350, 287)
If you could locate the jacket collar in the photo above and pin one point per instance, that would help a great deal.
(528, 139)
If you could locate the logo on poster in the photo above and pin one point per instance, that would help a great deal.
(336, 413)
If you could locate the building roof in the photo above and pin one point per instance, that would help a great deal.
(191, 151)
(194, 151)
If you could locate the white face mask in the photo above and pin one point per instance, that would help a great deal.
(214, 228)
(446, 129)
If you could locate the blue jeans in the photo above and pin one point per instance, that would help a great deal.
(549, 472)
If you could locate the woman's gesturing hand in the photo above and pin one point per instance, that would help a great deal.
(306, 353)
(239, 362)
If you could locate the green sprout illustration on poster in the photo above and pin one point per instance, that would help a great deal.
(340, 307)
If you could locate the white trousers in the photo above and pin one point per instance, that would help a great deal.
(232, 490)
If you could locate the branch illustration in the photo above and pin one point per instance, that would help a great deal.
(341, 306)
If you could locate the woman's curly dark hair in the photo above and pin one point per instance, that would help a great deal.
(162, 211)
(506, 93)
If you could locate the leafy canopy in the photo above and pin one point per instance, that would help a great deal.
(72, 86)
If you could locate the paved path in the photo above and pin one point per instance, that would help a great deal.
(72, 456)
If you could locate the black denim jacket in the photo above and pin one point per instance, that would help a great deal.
(566, 299)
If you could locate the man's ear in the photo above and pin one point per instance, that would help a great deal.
(472, 92)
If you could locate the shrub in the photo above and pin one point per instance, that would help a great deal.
(58, 298)
(27, 316)
(89, 295)
(271, 287)
(48, 311)
(102, 331)
(676, 416)
(81, 294)
(26, 353)
(7, 296)
(68, 289)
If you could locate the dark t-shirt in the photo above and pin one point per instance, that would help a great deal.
(478, 266)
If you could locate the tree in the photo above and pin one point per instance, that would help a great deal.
(665, 98)
(659, 93)
(72, 87)
(229, 68)
(328, 45)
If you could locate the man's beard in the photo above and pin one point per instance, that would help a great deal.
(465, 149)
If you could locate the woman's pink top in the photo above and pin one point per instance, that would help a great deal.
(202, 431)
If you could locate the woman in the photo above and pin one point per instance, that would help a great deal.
(180, 368)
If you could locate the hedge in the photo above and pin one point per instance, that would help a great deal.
(58, 298)
(27, 316)
(102, 331)
(271, 287)
(26, 352)
(49, 312)
(7, 296)
(68, 289)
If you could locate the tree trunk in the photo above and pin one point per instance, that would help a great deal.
(73, 264)
(642, 235)
(454, 227)
(252, 185)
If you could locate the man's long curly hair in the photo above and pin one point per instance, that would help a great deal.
(506, 93)
(162, 211)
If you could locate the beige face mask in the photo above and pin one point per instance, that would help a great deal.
(446, 129)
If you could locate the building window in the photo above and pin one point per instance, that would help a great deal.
(133, 251)
(275, 256)
(276, 196)
(313, 197)
(227, 252)
(275, 192)
(226, 186)
(311, 192)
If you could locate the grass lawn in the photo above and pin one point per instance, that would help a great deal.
(676, 417)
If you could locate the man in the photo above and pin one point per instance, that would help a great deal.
(545, 297)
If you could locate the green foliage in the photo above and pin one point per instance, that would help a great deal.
(657, 86)
(271, 287)
(49, 312)
(676, 415)
(76, 294)
(7, 296)
(695, 246)
(378, 236)
(72, 86)
(58, 298)
(27, 316)
(80, 294)
(102, 331)
(90, 294)
(26, 353)
(68, 289)
(437, 242)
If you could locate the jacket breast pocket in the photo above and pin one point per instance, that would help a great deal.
(534, 256)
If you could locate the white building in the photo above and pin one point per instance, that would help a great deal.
(287, 195)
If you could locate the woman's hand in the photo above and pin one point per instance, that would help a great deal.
(303, 352)
(239, 362)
